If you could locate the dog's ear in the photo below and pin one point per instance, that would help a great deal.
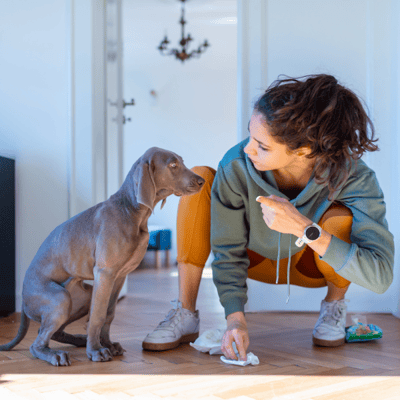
(144, 185)
(163, 202)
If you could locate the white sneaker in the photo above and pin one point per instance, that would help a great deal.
(330, 329)
(179, 326)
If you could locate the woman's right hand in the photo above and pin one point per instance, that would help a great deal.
(237, 332)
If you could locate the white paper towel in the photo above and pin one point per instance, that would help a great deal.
(210, 341)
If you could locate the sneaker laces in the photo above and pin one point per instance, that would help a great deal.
(333, 312)
(169, 321)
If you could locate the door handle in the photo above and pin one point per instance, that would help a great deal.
(124, 103)
(132, 103)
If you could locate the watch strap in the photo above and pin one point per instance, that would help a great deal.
(301, 240)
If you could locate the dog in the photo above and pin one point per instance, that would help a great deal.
(104, 244)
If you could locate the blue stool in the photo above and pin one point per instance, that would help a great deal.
(160, 240)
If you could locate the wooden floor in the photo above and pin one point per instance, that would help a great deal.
(290, 368)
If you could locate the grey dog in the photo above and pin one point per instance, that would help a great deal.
(104, 244)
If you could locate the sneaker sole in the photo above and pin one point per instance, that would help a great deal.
(171, 345)
(328, 343)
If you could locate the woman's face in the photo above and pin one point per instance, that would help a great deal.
(265, 153)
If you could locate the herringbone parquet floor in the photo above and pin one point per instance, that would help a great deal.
(290, 368)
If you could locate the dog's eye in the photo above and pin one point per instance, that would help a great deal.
(173, 165)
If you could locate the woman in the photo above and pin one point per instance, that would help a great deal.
(319, 220)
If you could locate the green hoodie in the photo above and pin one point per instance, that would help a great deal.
(237, 224)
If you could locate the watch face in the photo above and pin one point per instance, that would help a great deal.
(312, 233)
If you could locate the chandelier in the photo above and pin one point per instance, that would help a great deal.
(185, 41)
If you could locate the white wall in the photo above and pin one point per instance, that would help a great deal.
(34, 128)
(357, 42)
(81, 181)
(395, 145)
(194, 111)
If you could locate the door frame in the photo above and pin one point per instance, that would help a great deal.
(95, 155)
(95, 162)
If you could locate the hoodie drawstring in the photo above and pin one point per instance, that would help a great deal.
(279, 256)
(288, 268)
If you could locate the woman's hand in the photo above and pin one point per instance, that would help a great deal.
(237, 332)
(282, 216)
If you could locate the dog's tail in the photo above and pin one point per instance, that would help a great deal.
(23, 329)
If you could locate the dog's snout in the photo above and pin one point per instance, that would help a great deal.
(200, 181)
(196, 183)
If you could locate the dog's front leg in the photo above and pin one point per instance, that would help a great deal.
(102, 289)
(115, 348)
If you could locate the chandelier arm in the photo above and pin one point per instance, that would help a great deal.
(194, 53)
(183, 21)
(201, 49)
(184, 42)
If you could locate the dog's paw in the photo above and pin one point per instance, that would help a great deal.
(116, 349)
(60, 358)
(102, 354)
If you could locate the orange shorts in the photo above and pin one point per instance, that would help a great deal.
(307, 270)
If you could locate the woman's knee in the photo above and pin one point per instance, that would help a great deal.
(194, 221)
(201, 198)
(337, 220)
(336, 210)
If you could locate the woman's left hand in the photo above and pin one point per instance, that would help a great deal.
(282, 216)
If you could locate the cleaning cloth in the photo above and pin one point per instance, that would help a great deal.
(210, 341)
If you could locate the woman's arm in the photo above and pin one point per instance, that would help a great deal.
(282, 216)
(229, 238)
(369, 260)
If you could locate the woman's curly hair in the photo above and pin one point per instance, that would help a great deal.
(320, 114)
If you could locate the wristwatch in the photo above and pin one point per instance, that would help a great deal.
(311, 233)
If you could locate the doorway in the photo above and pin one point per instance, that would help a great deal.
(185, 107)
